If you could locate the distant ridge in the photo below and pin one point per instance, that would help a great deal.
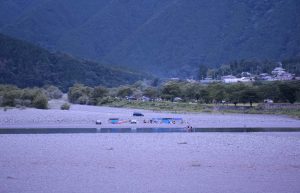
(164, 37)
(27, 65)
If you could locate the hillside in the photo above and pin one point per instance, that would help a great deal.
(24, 64)
(164, 37)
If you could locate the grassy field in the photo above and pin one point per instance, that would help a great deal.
(182, 107)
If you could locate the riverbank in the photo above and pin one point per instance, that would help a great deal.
(126, 163)
(83, 116)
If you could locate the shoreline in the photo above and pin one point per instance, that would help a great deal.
(84, 116)
(4, 131)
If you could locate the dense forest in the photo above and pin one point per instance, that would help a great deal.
(164, 37)
(27, 65)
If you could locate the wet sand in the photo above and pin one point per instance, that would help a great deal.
(82, 116)
(159, 163)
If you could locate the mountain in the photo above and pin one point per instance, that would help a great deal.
(162, 37)
(26, 65)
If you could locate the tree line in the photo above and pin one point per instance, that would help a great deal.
(279, 92)
(12, 96)
(288, 91)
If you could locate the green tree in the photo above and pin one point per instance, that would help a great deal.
(124, 91)
(288, 91)
(53, 92)
(80, 94)
(40, 101)
(151, 92)
(202, 71)
(171, 90)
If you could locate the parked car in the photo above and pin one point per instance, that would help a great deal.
(137, 114)
(98, 122)
(133, 121)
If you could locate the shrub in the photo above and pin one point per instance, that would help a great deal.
(65, 106)
(40, 101)
(80, 94)
(124, 91)
(10, 96)
(53, 92)
(105, 100)
(1, 101)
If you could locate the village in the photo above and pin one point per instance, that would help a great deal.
(277, 74)
(221, 85)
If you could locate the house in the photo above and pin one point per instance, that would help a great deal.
(265, 76)
(208, 81)
(191, 81)
(246, 79)
(145, 99)
(229, 79)
(279, 73)
(246, 74)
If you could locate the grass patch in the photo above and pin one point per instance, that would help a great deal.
(295, 113)
(182, 107)
(161, 106)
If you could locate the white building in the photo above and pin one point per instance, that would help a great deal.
(208, 80)
(246, 79)
(230, 79)
(266, 77)
(279, 73)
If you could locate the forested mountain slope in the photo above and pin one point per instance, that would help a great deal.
(165, 37)
(24, 64)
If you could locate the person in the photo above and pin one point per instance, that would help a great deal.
(189, 128)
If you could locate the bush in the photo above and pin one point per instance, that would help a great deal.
(105, 100)
(40, 101)
(124, 91)
(65, 106)
(1, 101)
(53, 92)
(10, 96)
(80, 94)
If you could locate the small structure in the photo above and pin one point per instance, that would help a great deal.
(114, 120)
(158, 99)
(246, 79)
(279, 73)
(145, 99)
(131, 98)
(269, 101)
(265, 77)
(208, 80)
(229, 79)
(133, 121)
(246, 74)
(167, 120)
(191, 81)
(177, 99)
